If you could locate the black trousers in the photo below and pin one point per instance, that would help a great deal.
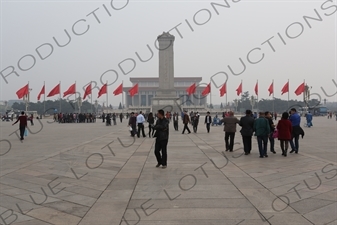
(208, 125)
(247, 143)
(141, 127)
(175, 124)
(161, 146)
(230, 143)
(22, 131)
(151, 130)
(186, 128)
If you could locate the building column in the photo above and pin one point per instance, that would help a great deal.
(147, 98)
(139, 102)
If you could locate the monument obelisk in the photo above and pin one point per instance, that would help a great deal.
(166, 97)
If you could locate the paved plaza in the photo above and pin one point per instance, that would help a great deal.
(90, 174)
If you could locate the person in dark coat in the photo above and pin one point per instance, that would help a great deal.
(22, 125)
(269, 117)
(175, 121)
(230, 130)
(186, 121)
(208, 121)
(132, 123)
(284, 130)
(247, 124)
(262, 131)
(162, 136)
(150, 120)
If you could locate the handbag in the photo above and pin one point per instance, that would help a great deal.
(130, 129)
(275, 133)
(26, 132)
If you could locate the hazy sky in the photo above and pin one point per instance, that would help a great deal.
(300, 49)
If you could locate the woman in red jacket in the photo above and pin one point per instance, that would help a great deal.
(284, 129)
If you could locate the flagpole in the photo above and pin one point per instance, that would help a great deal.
(27, 98)
(75, 98)
(257, 96)
(91, 94)
(107, 94)
(273, 98)
(210, 94)
(60, 96)
(122, 97)
(304, 96)
(288, 93)
(226, 95)
(44, 98)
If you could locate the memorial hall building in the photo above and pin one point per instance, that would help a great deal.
(147, 87)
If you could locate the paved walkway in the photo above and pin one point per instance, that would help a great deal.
(93, 174)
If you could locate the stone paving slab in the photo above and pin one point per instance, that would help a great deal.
(93, 174)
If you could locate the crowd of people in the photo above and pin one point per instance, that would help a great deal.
(75, 117)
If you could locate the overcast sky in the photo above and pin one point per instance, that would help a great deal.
(220, 37)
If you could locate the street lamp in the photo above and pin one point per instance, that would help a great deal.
(79, 102)
(252, 102)
(236, 102)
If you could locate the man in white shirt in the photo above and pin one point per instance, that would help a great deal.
(140, 123)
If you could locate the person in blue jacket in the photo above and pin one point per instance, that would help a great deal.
(309, 119)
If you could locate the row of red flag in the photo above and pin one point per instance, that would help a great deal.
(72, 90)
(134, 90)
(223, 90)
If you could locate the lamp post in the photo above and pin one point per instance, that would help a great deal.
(252, 102)
(236, 102)
(96, 106)
(79, 102)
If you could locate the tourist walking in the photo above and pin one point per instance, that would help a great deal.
(208, 121)
(140, 123)
(132, 123)
(295, 120)
(121, 116)
(175, 121)
(284, 130)
(269, 117)
(308, 117)
(162, 136)
(114, 118)
(195, 122)
(150, 120)
(247, 126)
(230, 129)
(31, 119)
(186, 121)
(262, 130)
(22, 125)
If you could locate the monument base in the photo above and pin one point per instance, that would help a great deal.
(166, 103)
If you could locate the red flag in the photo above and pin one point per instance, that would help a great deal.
(300, 89)
(239, 89)
(87, 91)
(191, 89)
(285, 88)
(42, 92)
(223, 89)
(207, 90)
(56, 90)
(22, 91)
(102, 91)
(256, 88)
(133, 90)
(71, 90)
(271, 88)
(119, 89)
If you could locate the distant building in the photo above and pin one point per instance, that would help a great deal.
(147, 87)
